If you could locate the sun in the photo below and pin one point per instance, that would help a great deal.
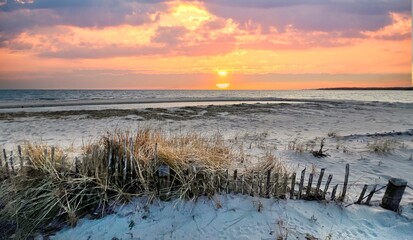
(223, 86)
(222, 73)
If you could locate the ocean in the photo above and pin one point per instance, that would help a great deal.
(19, 99)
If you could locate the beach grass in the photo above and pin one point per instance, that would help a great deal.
(51, 190)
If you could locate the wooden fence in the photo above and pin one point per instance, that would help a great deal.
(266, 184)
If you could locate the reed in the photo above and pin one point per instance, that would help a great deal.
(51, 191)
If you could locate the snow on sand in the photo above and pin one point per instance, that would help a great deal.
(239, 218)
(349, 129)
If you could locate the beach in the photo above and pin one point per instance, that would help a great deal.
(290, 130)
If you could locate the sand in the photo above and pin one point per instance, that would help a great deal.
(349, 129)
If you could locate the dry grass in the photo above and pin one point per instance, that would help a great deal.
(382, 146)
(50, 189)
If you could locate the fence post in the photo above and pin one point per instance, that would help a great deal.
(371, 195)
(252, 185)
(11, 162)
(292, 186)
(333, 194)
(285, 183)
(242, 184)
(5, 157)
(52, 157)
(394, 193)
(330, 177)
(276, 180)
(227, 182)
(300, 187)
(235, 181)
(320, 179)
(267, 193)
(362, 194)
(343, 195)
(125, 162)
(310, 182)
(19, 149)
(163, 176)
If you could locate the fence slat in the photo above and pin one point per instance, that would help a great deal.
(310, 182)
(52, 156)
(235, 181)
(362, 194)
(371, 195)
(292, 186)
(343, 194)
(267, 193)
(11, 162)
(333, 194)
(320, 179)
(19, 149)
(125, 162)
(5, 157)
(276, 185)
(242, 184)
(330, 177)
(132, 167)
(285, 185)
(227, 182)
(300, 187)
(252, 185)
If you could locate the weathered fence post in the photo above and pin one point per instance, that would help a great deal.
(5, 157)
(6, 163)
(11, 162)
(77, 165)
(333, 194)
(320, 179)
(163, 175)
(300, 187)
(284, 189)
(242, 184)
(275, 185)
(260, 192)
(292, 186)
(109, 159)
(235, 181)
(310, 182)
(132, 167)
(394, 193)
(362, 194)
(19, 149)
(330, 177)
(252, 185)
(227, 182)
(371, 195)
(52, 156)
(125, 162)
(343, 194)
(267, 193)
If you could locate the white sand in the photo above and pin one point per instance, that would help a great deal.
(239, 219)
(257, 132)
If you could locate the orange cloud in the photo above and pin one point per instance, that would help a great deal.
(187, 38)
(400, 28)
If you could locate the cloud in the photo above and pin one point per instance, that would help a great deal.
(16, 17)
(399, 29)
(53, 29)
(169, 35)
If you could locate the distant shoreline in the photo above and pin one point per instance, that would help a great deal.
(370, 88)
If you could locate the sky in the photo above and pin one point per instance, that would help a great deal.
(234, 44)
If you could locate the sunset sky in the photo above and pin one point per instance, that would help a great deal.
(260, 44)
